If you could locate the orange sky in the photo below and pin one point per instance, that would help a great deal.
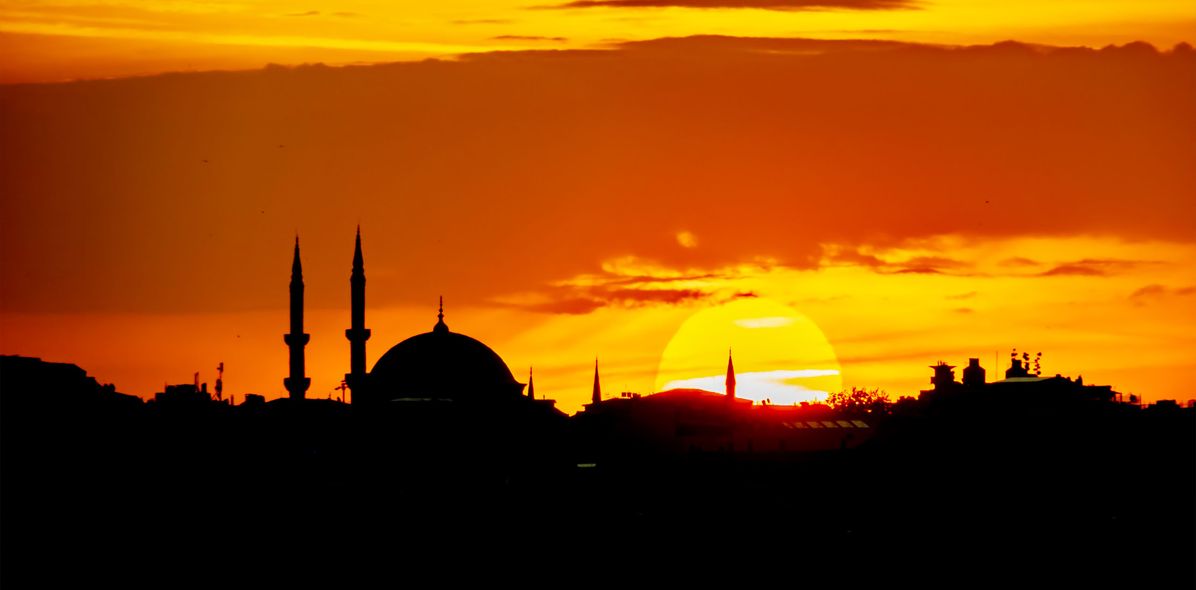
(66, 40)
(913, 202)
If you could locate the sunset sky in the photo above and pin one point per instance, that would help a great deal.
(90, 39)
(843, 192)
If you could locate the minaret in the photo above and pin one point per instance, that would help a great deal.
(531, 385)
(730, 376)
(357, 333)
(297, 383)
(597, 394)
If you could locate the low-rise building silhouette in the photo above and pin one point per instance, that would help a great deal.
(1020, 386)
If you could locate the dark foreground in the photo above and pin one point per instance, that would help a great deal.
(102, 492)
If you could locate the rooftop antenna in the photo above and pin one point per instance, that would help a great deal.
(220, 381)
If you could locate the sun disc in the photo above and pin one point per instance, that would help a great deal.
(780, 354)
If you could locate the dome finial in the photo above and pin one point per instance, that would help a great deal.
(440, 325)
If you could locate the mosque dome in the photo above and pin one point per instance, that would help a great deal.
(442, 365)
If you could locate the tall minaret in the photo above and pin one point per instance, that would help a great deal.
(596, 396)
(357, 333)
(531, 385)
(730, 376)
(297, 383)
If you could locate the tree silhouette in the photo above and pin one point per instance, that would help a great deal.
(859, 400)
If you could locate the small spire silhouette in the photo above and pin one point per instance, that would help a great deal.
(358, 259)
(730, 376)
(596, 396)
(296, 266)
(440, 325)
(531, 384)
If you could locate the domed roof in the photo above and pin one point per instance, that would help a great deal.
(442, 365)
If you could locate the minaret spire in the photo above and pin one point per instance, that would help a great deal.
(357, 334)
(531, 385)
(297, 383)
(730, 376)
(596, 396)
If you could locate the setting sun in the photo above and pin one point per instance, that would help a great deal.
(780, 355)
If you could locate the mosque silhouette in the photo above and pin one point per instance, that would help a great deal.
(436, 367)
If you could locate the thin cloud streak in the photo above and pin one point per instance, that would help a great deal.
(778, 5)
(529, 38)
(247, 40)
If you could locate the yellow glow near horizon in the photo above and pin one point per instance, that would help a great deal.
(1130, 329)
(780, 355)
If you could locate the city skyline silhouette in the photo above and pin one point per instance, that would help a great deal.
(872, 291)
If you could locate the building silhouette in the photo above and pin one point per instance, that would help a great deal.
(107, 483)
(438, 368)
(1021, 386)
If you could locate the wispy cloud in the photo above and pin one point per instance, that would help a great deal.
(631, 281)
(782, 5)
(1018, 261)
(339, 13)
(529, 38)
(482, 21)
(595, 298)
(1156, 292)
(894, 262)
(756, 323)
(1093, 267)
(247, 40)
(687, 239)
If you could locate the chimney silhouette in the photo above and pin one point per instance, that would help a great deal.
(973, 374)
